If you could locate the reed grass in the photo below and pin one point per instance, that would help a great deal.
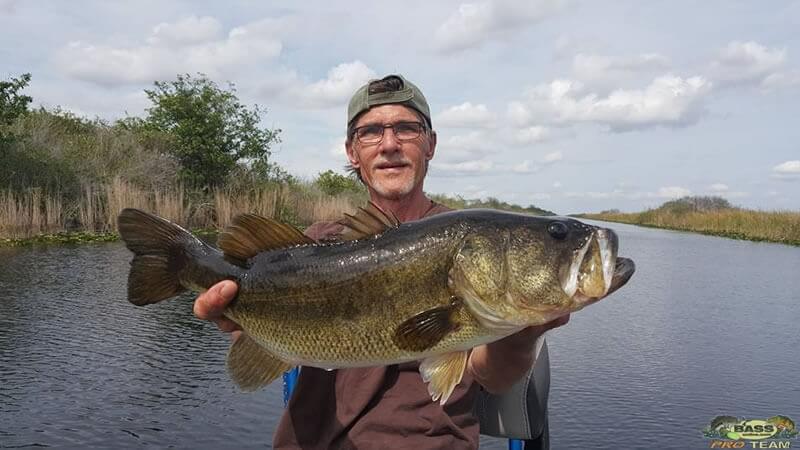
(34, 213)
(772, 226)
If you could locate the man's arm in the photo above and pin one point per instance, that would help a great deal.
(500, 364)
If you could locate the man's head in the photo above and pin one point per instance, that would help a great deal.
(389, 136)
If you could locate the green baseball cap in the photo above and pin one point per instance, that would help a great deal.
(408, 95)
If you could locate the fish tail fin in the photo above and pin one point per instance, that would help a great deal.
(167, 259)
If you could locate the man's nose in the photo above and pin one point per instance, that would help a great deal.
(389, 143)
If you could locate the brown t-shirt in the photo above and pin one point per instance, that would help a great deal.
(375, 407)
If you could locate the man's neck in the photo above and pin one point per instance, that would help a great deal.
(411, 207)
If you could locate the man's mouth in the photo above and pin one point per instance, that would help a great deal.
(391, 166)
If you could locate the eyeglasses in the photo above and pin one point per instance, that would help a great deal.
(403, 131)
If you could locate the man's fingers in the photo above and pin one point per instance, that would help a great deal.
(210, 304)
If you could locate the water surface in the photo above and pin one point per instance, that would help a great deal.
(707, 326)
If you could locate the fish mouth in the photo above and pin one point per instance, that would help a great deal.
(596, 271)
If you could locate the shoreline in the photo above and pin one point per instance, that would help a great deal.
(89, 237)
(78, 237)
(739, 236)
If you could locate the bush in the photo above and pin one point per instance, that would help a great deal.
(12, 103)
(332, 183)
(211, 130)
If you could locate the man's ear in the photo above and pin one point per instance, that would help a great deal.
(352, 156)
(432, 148)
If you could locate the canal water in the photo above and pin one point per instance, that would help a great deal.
(708, 326)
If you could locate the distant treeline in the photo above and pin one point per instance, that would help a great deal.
(198, 157)
(715, 216)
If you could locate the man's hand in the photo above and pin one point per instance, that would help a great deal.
(211, 303)
(500, 364)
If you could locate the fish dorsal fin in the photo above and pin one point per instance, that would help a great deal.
(251, 234)
(368, 221)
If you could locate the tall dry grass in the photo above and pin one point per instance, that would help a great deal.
(774, 226)
(97, 208)
(29, 213)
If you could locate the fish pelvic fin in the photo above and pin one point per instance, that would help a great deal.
(443, 373)
(251, 366)
(424, 330)
(167, 258)
(251, 234)
(368, 221)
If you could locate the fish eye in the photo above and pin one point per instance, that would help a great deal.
(558, 230)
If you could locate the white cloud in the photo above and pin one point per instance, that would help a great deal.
(462, 168)
(667, 192)
(539, 196)
(338, 86)
(531, 135)
(553, 157)
(475, 23)
(332, 91)
(528, 166)
(337, 148)
(673, 192)
(788, 167)
(187, 46)
(466, 115)
(525, 166)
(518, 114)
(590, 67)
(464, 147)
(745, 62)
(668, 101)
(190, 30)
(788, 170)
(718, 187)
(781, 80)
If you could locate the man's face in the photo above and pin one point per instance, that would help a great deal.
(392, 168)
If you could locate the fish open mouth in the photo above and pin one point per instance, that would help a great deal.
(596, 271)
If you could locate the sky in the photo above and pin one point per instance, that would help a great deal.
(572, 106)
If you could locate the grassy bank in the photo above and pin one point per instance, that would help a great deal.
(33, 216)
(727, 221)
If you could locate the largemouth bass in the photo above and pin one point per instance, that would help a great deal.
(428, 290)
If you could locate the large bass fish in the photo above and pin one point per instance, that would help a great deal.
(428, 290)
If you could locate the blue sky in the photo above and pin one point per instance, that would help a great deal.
(569, 105)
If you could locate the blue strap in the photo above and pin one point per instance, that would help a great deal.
(289, 382)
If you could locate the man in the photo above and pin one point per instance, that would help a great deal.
(390, 141)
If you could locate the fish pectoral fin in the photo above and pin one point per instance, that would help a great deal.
(251, 366)
(426, 329)
(443, 373)
(367, 221)
(251, 234)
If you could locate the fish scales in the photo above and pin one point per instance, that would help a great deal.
(335, 315)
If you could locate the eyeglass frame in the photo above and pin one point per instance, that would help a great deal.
(423, 128)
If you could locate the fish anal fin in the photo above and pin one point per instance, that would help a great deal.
(251, 234)
(424, 330)
(251, 366)
(368, 221)
(443, 373)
